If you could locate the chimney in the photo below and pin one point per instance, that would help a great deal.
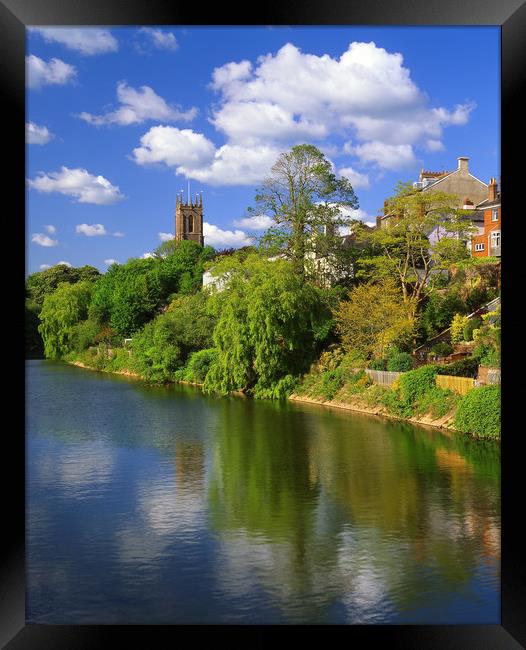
(468, 204)
(463, 164)
(492, 189)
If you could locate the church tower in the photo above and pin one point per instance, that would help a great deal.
(189, 219)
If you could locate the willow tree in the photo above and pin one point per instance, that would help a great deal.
(305, 199)
(424, 233)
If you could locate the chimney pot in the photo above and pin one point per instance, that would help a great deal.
(463, 163)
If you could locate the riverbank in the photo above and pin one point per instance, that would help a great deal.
(445, 422)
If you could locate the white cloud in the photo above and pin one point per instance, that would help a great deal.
(165, 236)
(55, 72)
(86, 40)
(219, 238)
(63, 262)
(43, 267)
(50, 229)
(161, 40)
(119, 234)
(365, 95)
(386, 156)
(37, 134)
(138, 105)
(85, 187)
(95, 230)
(356, 179)
(434, 145)
(257, 222)
(146, 256)
(110, 262)
(43, 240)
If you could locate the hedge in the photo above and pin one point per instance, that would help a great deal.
(478, 412)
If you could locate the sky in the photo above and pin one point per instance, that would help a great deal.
(119, 120)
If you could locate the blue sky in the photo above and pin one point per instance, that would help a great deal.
(119, 119)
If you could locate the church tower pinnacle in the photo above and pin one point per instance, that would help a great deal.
(189, 219)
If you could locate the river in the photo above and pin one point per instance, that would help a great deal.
(162, 505)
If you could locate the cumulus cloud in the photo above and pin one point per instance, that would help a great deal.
(161, 40)
(43, 240)
(137, 106)
(287, 97)
(257, 222)
(219, 238)
(79, 183)
(37, 134)
(119, 234)
(63, 262)
(43, 267)
(50, 229)
(165, 236)
(356, 179)
(55, 72)
(386, 156)
(86, 40)
(146, 256)
(110, 262)
(95, 230)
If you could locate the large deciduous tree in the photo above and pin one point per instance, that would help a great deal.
(305, 199)
(425, 232)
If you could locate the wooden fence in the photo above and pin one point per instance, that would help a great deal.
(460, 385)
(383, 377)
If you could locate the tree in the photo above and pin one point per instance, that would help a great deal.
(61, 311)
(270, 325)
(41, 284)
(403, 249)
(305, 199)
(373, 318)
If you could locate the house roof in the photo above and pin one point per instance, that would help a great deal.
(488, 203)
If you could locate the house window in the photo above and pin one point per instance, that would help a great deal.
(479, 247)
(495, 214)
(495, 239)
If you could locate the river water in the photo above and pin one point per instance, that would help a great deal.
(162, 505)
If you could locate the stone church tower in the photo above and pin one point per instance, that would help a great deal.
(189, 219)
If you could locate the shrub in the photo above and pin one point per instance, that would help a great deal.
(457, 327)
(378, 364)
(414, 384)
(472, 324)
(463, 368)
(442, 349)
(478, 412)
(400, 362)
(438, 402)
(198, 365)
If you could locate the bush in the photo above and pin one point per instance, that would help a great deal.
(472, 324)
(457, 328)
(198, 365)
(442, 349)
(478, 412)
(400, 362)
(438, 402)
(463, 368)
(378, 364)
(414, 384)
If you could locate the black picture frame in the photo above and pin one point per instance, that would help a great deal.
(15, 15)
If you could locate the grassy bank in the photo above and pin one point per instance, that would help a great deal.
(414, 397)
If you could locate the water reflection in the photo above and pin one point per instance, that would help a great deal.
(162, 505)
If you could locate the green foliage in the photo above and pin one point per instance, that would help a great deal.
(43, 283)
(199, 364)
(439, 312)
(457, 327)
(400, 362)
(462, 368)
(478, 412)
(61, 311)
(378, 364)
(270, 324)
(442, 349)
(437, 402)
(34, 347)
(304, 197)
(473, 324)
(414, 384)
(164, 345)
(487, 340)
(84, 334)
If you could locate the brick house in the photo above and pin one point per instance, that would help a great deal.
(487, 242)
